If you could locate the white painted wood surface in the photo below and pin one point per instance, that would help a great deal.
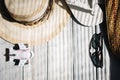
(65, 57)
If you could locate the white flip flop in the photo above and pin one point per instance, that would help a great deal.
(87, 12)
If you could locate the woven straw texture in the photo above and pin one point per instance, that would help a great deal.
(113, 25)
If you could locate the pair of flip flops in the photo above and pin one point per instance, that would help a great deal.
(86, 12)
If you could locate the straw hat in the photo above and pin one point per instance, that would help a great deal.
(87, 12)
(31, 21)
(113, 25)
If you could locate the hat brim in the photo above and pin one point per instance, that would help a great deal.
(37, 34)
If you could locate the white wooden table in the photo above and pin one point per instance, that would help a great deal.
(65, 57)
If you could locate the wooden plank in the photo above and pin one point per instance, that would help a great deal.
(37, 69)
(61, 56)
(83, 65)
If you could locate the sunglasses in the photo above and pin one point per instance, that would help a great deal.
(95, 50)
